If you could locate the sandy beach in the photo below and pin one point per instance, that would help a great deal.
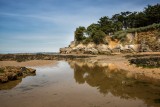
(31, 63)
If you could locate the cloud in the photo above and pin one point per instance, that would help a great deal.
(49, 24)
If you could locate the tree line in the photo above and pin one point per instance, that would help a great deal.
(118, 22)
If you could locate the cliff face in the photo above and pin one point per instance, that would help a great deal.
(151, 39)
(133, 42)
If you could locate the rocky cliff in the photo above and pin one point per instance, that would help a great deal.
(145, 41)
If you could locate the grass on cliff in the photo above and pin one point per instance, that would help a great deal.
(121, 35)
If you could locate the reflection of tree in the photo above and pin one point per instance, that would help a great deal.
(114, 82)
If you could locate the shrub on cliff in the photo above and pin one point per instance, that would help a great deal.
(120, 35)
(98, 37)
(79, 33)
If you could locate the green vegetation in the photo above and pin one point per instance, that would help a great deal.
(79, 33)
(122, 34)
(119, 25)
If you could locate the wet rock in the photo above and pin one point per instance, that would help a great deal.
(153, 62)
(3, 78)
(13, 73)
(31, 70)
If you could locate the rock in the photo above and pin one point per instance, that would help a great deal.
(103, 49)
(13, 73)
(3, 79)
(32, 70)
(91, 45)
(72, 44)
(62, 50)
(65, 50)
(126, 49)
(79, 49)
(91, 51)
(135, 47)
(116, 49)
(12, 76)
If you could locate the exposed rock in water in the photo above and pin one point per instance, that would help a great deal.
(27, 57)
(152, 62)
(10, 73)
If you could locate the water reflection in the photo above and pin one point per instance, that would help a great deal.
(107, 78)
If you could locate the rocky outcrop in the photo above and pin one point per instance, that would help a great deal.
(10, 73)
(144, 41)
(92, 48)
(152, 62)
(27, 57)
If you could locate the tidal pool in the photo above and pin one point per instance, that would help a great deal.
(79, 84)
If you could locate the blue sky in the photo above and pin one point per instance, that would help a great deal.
(47, 25)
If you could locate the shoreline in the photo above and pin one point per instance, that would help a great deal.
(120, 61)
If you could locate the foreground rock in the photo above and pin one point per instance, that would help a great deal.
(10, 73)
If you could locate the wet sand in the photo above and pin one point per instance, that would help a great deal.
(31, 63)
(122, 63)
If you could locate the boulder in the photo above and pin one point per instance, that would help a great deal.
(3, 78)
(116, 49)
(65, 50)
(91, 45)
(12, 76)
(127, 49)
(13, 73)
(72, 44)
(90, 51)
(103, 49)
(135, 47)
(80, 46)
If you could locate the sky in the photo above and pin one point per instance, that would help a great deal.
(47, 25)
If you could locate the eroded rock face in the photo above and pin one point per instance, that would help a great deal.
(10, 73)
(103, 49)
(91, 51)
(100, 49)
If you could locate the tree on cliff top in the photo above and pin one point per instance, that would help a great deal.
(105, 24)
(79, 33)
(152, 14)
(98, 37)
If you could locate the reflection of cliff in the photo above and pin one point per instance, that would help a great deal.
(108, 80)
